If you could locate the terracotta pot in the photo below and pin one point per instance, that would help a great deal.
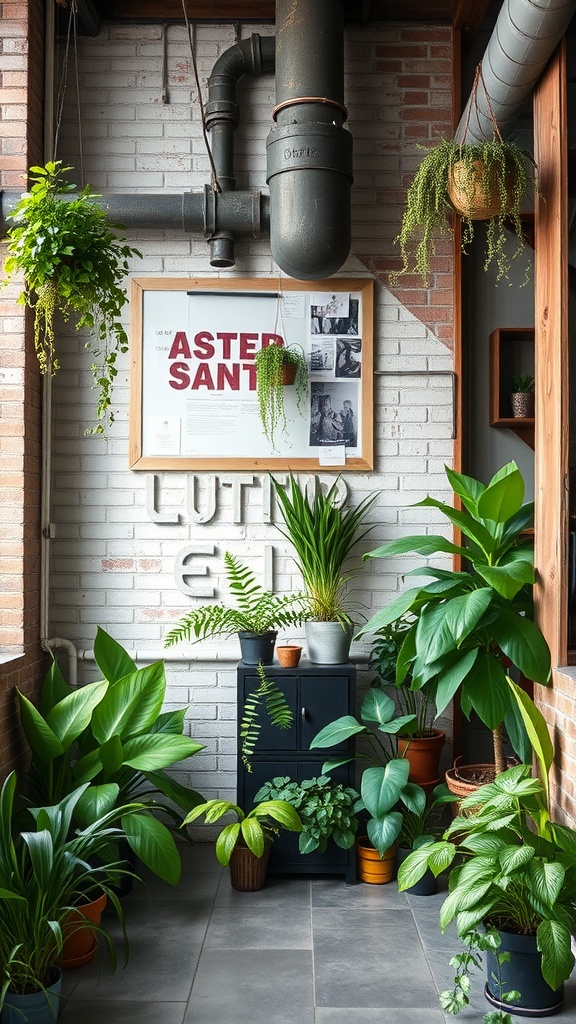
(248, 872)
(423, 754)
(373, 868)
(289, 373)
(471, 195)
(81, 941)
(467, 778)
(288, 655)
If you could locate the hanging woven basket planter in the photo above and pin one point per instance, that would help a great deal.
(474, 191)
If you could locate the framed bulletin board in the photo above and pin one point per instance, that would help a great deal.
(193, 378)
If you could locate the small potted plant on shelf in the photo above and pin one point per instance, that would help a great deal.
(323, 535)
(45, 873)
(113, 734)
(486, 181)
(256, 618)
(384, 784)
(325, 808)
(422, 745)
(471, 627)
(522, 395)
(73, 263)
(514, 873)
(279, 366)
(244, 845)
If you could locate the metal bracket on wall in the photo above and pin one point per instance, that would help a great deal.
(428, 373)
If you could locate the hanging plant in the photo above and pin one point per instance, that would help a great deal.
(276, 367)
(452, 178)
(485, 180)
(73, 263)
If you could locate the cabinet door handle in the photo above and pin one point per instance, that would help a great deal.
(303, 713)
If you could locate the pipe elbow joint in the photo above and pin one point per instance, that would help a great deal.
(310, 178)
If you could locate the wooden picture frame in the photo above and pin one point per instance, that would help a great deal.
(192, 381)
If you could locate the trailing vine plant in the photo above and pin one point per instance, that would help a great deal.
(269, 696)
(270, 361)
(484, 167)
(73, 263)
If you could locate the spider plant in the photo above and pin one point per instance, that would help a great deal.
(44, 873)
(323, 535)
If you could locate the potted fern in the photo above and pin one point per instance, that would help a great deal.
(477, 181)
(255, 619)
(278, 366)
(73, 263)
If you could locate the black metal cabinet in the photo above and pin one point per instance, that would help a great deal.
(316, 695)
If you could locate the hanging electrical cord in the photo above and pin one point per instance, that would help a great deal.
(71, 33)
(216, 187)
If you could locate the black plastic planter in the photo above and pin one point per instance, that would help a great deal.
(257, 647)
(428, 884)
(524, 973)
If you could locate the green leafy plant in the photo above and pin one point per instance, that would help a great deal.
(254, 829)
(73, 263)
(257, 611)
(470, 626)
(45, 871)
(323, 536)
(522, 383)
(486, 168)
(515, 867)
(384, 783)
(419, 828)
(273, 700)
(455, 999)
(270, 382)
(113, 734)
(325, 808)
(384, 653)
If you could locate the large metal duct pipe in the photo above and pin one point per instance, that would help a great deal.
(524, 38)
(309, 152)
(253, 56)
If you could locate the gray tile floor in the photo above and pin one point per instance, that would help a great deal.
(304, 950)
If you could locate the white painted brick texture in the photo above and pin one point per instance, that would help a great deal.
(111, 564)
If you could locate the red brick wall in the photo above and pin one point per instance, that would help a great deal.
(416, 66)
(21, 144)
(558, 705)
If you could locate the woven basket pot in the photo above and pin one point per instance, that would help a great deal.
(288, 373)
(247, 871)
(473, 195)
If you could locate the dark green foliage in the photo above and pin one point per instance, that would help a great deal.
(73, 263)
(326, 810)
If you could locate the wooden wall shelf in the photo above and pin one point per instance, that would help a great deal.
(511, 353)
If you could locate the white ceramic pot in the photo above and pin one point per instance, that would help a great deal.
(328, 643)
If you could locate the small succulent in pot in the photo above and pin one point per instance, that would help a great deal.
(276, 367)
(522, 395)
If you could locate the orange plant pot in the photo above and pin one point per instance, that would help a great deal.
(423, 755)
(288, 655)
(81, 941)
(373, 868)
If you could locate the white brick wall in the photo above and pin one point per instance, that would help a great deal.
(111, 565)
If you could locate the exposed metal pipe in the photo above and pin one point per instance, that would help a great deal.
(253, 56)
(523, 40)
(309, 152)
